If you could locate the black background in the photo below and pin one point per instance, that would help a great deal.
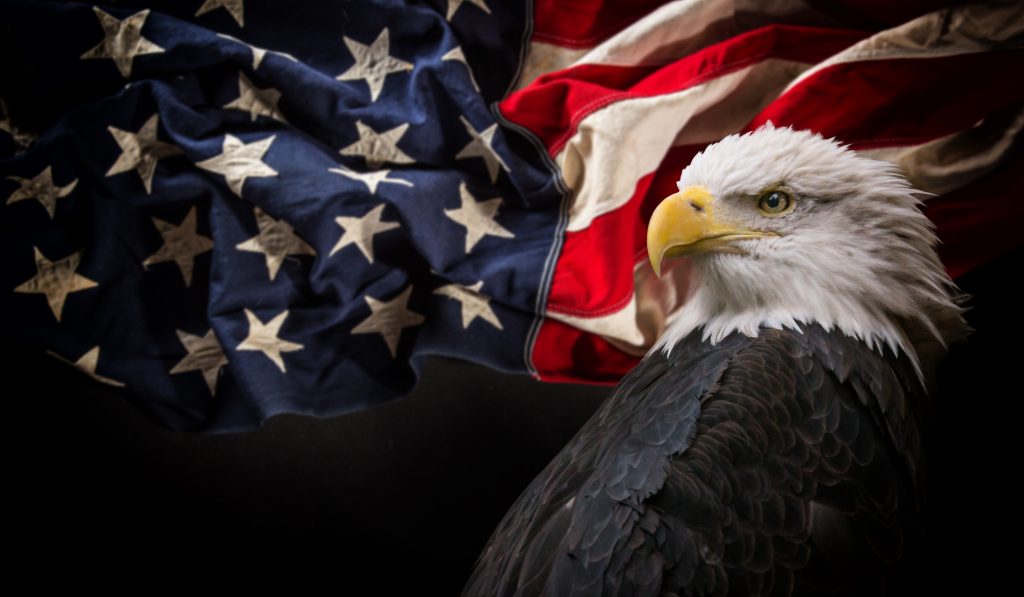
(401, 498)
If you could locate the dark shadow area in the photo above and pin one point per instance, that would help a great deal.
(399, 499)
(975, 445)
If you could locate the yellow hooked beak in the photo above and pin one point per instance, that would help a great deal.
(684, 224)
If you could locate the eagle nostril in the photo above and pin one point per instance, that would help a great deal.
(697, 207)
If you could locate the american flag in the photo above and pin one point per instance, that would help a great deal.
(238, 208)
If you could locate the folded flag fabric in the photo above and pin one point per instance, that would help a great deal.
(237, 208)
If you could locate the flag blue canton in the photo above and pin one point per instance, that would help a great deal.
(243, 208)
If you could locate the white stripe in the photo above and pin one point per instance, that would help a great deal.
(667, 34)
(616, 146)
(670, 32)
(619, 327)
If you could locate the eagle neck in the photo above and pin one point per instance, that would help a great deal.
(716, 309)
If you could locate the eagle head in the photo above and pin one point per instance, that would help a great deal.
(785, 228)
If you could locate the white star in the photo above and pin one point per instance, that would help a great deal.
(360, 231)
(122, 40)
(56, 279)
(276, 240)
(21, 138)
(480, 147)
(42, 189)
(258, 53)
(181, 245)
(370, 179)
(141, 151)
(474, 304)
(235, 7)
(388, 318)
(372, 63)
(256, 101)
(379, 148)
(263, 337)
(87, 364)
(239, 161)
(455, 55)
(204, 354)
(454, 5)
(477, 217)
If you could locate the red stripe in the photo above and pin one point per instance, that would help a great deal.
(564, 353)
(613, 239)
(585, 23)
(594, 275)
(553, 105)
(886, 103)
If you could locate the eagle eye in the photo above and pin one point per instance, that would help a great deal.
(774, 203)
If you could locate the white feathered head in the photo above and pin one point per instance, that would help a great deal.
(786, 227)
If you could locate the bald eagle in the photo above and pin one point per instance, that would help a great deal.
(771, 441)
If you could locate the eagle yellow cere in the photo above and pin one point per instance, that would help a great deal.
(771, 441)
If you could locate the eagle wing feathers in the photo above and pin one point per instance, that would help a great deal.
(723, 469)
